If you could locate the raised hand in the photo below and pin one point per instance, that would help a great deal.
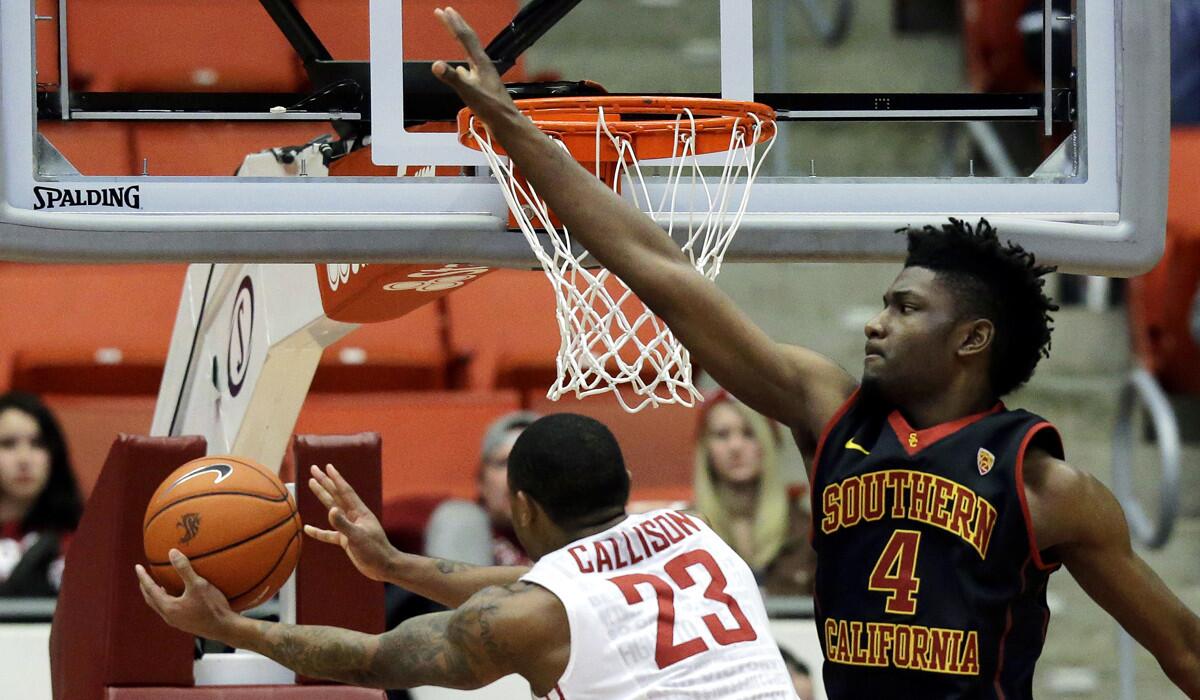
(201, 610)
(355, 527)
(477, 83)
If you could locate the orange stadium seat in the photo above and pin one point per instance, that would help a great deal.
(91, 423)
(408, 353)
(46, 38)
(344, 26)
(172, 46)
(658, 443)
(171, 148)
(994, 47)
(94, 148)
(213, 148)
(97, 329)
(430, 439)
(1160, 302)
(503, 327)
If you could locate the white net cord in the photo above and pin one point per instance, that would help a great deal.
(609, 339)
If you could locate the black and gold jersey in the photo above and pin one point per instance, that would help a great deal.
(929, 581)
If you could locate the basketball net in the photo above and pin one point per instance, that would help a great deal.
(609, 338)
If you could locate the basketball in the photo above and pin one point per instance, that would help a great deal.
(233, 519)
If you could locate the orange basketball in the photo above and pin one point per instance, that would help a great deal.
(235, 521)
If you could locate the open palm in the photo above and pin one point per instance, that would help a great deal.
(355, 528)
(477, 83)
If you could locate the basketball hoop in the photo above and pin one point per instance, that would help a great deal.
(609, 339)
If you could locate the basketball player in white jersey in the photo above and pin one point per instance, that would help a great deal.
(616, 607)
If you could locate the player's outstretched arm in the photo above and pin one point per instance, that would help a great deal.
(1081, 523)
(798, 387)
(357, 531)
(496, 633)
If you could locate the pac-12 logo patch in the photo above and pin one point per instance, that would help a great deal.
(984, 460)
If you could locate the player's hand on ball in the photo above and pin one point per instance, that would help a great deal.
(202, 610)
(478, 83)
(355, 527)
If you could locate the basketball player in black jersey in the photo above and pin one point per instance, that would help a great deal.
(938, 512)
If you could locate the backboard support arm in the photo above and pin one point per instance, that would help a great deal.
(531, 23)
(297, 30)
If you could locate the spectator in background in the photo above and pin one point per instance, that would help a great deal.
(476, 532)
(481, 532)
(801, 675)
(740, 491)
(40, 503)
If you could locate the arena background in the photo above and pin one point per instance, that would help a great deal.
(824, 306)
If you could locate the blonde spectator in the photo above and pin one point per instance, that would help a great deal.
(740, 490)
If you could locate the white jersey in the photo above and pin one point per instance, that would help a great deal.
(660, 607)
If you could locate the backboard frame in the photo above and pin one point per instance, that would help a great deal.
(1107, 217)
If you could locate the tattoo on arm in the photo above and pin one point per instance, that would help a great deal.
(321, 652)
(459, 649)
(451, 567)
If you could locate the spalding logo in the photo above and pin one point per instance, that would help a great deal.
(118, 197)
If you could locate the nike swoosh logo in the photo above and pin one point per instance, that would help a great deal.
(221, 470)
(852, 445)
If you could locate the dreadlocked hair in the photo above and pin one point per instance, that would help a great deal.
(998, 281)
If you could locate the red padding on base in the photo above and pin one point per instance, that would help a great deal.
(246, 692)
(103, 632)
(329, 590)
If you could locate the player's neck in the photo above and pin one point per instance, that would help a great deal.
(598, 527)
(946, 407)
(566, 537)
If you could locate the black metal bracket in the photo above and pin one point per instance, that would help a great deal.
(531, 23)
(297, 31)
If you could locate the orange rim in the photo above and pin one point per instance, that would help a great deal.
(573, 120)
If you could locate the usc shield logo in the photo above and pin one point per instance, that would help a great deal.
(984, 460)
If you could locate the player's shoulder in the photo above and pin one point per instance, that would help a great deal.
(1061, 498)
(1050, 477)
(513, 619)
(513, 598)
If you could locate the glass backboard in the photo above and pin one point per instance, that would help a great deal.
(114, 110)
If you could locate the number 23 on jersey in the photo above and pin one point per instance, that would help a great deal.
(666, 650)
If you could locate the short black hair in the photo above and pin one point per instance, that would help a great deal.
(59, 506)
(998, 281)
(572, 466)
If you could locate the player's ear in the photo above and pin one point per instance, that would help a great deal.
(522, 509)
(976, 336)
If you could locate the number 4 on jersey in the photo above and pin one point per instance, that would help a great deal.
(666, 651)
(895, 572)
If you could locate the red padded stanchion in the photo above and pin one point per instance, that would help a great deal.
(246, 692)
(329, 590)
(103, 633)
(107, 644)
